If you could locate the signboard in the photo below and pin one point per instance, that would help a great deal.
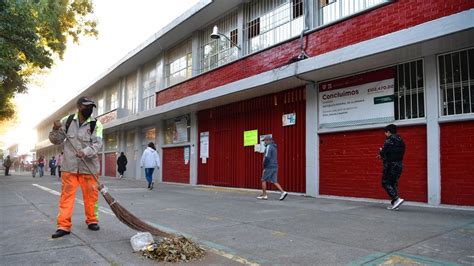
(181, 133)
(108, 117)
(289, 119)
(362, 99)
(250, 137)
(186, 155)
(204, 145)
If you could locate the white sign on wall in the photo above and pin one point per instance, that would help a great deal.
(362, 99)
(289, 119)
(204, 145)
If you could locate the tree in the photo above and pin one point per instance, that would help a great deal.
(32, 34)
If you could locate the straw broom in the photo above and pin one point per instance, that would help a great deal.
(126, 217)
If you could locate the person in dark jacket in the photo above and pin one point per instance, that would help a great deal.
(7, 163)
(392, 154)
(52, 166)
(122, 164)
(270, 169)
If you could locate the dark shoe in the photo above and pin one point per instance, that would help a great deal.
(93, 227)
(60, 233)
(151, 186)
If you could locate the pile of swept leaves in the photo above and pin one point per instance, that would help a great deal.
(176, 249)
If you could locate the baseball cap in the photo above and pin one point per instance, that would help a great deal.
(86, 101)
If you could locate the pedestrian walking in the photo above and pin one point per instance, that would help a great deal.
(7, 163)
(150, 160)
(270, 169)
(41, 165)
(392, 154)
(59, 162)
(87, 139)
(34, 168)
(52, 166)
(122, 164)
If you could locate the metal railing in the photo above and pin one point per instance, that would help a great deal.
(338, 9)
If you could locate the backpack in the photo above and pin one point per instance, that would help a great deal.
(71, 117)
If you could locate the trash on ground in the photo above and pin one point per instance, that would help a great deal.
(176, 249)
(141, 240)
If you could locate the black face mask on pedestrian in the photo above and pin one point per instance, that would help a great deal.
(86, 113)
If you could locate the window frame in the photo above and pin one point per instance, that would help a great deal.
(461, 116)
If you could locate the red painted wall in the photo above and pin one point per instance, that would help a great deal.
(111, 164)
(348, 164)
(393, 17)
(457, 163)
(174, 168)
(233, 165)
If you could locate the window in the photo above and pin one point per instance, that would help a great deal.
(177, 130)
(333, 10)
(132, 94)
(179, 63)
(100, 107)
(150, 135)
(149, 86)
(271, 22)
(409, 91)
(297, 8)
(215, 53)
(254, 28)
(111, 143)
(113, 100)
(456, 77)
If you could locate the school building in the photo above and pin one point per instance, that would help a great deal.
(323, 77)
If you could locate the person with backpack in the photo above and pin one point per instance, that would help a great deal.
(85, 133)
(150, 160)
(122, 164)
(391, 155)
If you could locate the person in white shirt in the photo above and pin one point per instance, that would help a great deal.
(150, 161)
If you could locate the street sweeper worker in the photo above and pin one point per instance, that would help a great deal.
(85, 133)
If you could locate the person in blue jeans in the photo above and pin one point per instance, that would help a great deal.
(150, 160)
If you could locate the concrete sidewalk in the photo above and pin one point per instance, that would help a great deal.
(234, 226)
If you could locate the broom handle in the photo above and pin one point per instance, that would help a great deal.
(82, 159)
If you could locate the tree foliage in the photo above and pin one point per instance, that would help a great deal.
(32, 34)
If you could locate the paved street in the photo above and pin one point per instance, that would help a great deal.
(233, 226)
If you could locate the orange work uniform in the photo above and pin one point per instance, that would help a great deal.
(90, 195)
(74, 172)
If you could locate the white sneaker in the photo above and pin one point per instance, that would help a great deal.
(262, 197)
(396, 205)
(283, 195)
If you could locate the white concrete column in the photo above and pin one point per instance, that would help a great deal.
(140, 89)
(312, 142)
(310, 10)
(193, 158)
(433, 131)
(160, 140)
(196, 66)
(137, 151)
(240, 32)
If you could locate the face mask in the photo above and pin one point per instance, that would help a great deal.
(86, 113)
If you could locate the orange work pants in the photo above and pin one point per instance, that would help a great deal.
(70, 182)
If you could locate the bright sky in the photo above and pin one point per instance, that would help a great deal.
(123, 25)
